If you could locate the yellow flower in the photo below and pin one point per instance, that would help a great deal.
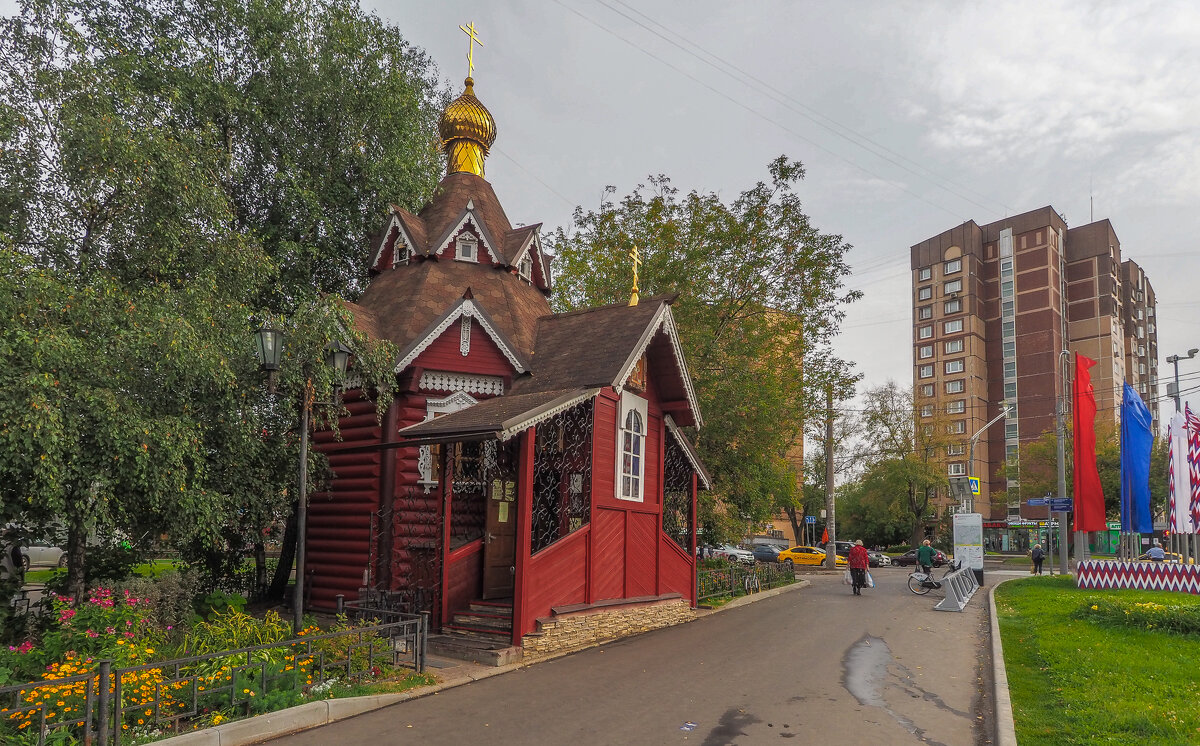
(1095, 608)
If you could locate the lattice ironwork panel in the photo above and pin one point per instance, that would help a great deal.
(562, 475)
(677, 495)
(416, 561)
(468, 503)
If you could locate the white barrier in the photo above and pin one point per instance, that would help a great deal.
(959, 585)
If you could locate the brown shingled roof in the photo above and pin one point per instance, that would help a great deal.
(405, 301)
(447, 206)
(491, 417)
(587, 348)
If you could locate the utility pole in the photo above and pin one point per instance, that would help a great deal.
(830, 523)
(1061, 432)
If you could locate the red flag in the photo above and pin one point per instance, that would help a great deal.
(825, 536)
(1089, 496)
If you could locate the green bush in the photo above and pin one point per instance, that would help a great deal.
(172, 597)
(219, 602)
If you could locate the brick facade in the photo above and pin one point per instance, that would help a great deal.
(578, 627)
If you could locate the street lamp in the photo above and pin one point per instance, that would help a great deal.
(969, 500)
(1174, 360)
(337, 356)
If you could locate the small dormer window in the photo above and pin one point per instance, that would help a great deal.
(525, 268)
(467, 248)
(401, 253)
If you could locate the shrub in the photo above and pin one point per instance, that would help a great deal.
(172, 597)
(219, 602)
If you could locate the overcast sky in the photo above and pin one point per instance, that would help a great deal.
(911, 117)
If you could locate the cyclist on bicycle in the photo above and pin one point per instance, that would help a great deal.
(925, 557)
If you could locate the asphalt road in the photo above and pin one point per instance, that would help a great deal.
(816, 664)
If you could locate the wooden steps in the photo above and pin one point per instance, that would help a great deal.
(482, 633)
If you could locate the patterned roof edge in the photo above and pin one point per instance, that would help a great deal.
(544, 405)
(665, 320)
(690, 451)
(469, 308)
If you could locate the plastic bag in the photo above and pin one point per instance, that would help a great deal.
(870, 580)
(847, 578)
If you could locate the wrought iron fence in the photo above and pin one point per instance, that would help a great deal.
(741, 580)
(110, 705)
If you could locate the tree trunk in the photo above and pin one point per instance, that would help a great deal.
(260, 569)
(287, 557)
(76, 551)
(797, 526)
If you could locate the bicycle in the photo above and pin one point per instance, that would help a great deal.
(920, 583)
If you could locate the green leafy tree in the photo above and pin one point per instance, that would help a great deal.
(760, 297)
(172, 172)
(904, 456)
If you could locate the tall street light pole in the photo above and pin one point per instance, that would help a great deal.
(969, 499)
(1174, 360)
(1061, 433)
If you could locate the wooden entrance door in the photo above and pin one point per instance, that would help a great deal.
(500, 541)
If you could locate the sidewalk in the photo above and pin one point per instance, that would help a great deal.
(450, 674)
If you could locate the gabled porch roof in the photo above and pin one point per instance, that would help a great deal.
(499, 418)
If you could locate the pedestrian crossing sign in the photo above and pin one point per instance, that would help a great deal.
(974, 485)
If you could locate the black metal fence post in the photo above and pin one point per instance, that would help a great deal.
(102, 682)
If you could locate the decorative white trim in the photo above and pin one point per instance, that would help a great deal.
(533, 247)
(630, 404)
(434, 407)
(663, 320)
(437, 380)
(476, 230)
(464, 335)
(470, 309)
(401, 238)
(543, 416)
(687, 451)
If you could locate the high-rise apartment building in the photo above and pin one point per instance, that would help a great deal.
(993, 308)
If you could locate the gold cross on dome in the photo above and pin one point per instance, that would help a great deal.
(469, 30)
(637, 260)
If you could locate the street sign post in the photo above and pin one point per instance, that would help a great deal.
(974, 485)
(810, 519)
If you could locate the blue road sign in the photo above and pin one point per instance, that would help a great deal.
(810, 519)
(1034, 501)
(1061, 505)
(974, 485)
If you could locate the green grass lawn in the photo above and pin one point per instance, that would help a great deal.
(1077, 679)
(151, 569)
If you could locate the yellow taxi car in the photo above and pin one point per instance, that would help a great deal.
(812, 556)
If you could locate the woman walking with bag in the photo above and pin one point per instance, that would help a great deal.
(858, 560)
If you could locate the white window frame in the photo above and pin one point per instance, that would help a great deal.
(630, 484)
(927, 389)
(957, 449)
(926, 410)
(952, 306)
(957, 469)
(958, 427)
(925, 371)
(924, 293)
(958, 406)
(924, 273)
(925, 332)
(952, 346)
(466, 248)
(925, 351)
(954, 326)
(924, 312)
(955, 387)
(954, 366)
(953, 286)
(952, 266)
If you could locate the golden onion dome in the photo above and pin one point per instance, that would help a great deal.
(468, 131)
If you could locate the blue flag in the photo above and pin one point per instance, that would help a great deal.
(1136, 438)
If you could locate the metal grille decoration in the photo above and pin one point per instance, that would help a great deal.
(562, 475)
(416, 559)
(677, 495)
(468, 503)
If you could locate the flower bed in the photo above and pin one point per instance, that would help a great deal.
(101, 664)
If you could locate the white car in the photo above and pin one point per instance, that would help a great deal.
(734, 554)
(43, 554)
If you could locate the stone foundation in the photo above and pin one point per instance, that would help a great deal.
(580, 626)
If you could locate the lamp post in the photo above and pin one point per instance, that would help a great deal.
(969, 500)
(1174, 360)
(1061, 435)
(269, 345)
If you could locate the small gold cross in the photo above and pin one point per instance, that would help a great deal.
(637, 260)
(469, 30)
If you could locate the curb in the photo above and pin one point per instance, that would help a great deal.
(315, 714)
(1006, 730)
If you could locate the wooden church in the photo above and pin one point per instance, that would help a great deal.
(528, 461)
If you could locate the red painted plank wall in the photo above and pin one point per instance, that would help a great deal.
(675, 569)
(484, 358)
(339, 519)
(464, 575)
(556, 576)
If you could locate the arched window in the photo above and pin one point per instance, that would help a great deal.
(632, 464)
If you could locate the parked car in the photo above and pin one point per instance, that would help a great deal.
(731, 553)
(841, 548)
(43, 553)
(878, 559)
(910, 558)
(1167, 557)
(811, 556)
(766, 552)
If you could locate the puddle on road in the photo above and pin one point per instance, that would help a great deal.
(865, 675)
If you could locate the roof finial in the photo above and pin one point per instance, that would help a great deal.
(637, 260)
(469, 30)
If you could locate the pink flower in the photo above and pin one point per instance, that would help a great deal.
(92, 634)
(128, 623)
(129, 634)
(109, 630)
(169, 627)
